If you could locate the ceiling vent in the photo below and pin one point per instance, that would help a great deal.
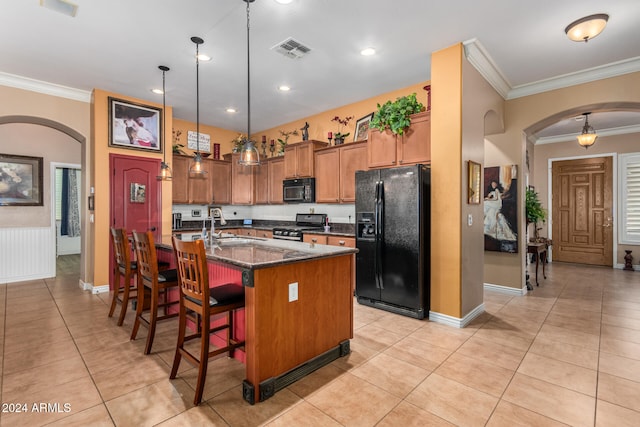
(291, 48)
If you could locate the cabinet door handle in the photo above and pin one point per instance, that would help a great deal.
(314, 240)
(341, 242)
(337, 200)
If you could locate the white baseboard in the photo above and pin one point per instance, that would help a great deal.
(505, 289)
(455, 321)
(99, 289)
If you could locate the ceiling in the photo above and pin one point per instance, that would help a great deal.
(117, 46)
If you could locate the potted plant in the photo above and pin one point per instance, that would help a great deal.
(283, 142)
(339, 137)
(395, 115)
(534, 210)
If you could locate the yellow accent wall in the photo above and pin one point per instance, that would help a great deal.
(100, 177)
(218, 135)
(446, 180)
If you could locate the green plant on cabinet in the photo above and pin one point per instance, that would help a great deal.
(395, 115)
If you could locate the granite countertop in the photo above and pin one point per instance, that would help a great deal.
(254, 253)
(338, 229)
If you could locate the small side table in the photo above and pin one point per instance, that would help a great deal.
(540, 251)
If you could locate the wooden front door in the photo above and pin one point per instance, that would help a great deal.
(136, 198)
(582, 211)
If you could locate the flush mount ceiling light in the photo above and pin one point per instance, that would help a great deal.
(61, 6)
(196, 170)
(584, 29)
(165, 170)
(588, 136)
(231, 110)
(249, 155)
(284, 88)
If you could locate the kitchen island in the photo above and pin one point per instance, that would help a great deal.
(298, 305)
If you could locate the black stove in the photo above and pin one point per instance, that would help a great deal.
(304, 222)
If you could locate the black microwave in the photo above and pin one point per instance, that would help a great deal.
(301, 190)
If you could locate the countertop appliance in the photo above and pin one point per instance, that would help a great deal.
(177, 221)
(304, 222)
(302, 190)
(393, 237)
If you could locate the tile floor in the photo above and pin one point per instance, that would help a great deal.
(566, 354)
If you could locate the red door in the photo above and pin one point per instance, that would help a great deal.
(136, 195)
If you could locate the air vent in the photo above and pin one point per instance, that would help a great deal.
(292, 48)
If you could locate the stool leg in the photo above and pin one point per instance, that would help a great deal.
(139, 308)
(204, 360)
(182, 325)
(116, 291)
(125, 299)
(153, 318)
(230, 330)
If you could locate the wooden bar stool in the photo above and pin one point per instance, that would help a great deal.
(196, 297)
(125, 269)
(158, 284)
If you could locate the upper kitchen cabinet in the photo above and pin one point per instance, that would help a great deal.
(197, 190)
(298, 158)
(275, 177)
(387, 150)
(261, 174)
(335, 169)
(220, 182)
(242, 181)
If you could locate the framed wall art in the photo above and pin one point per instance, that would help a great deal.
(362, 128)
(475, 181)
(134, 126)
(20, 180)
(501, 209)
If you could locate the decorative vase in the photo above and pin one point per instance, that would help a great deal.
(339, 141)
(628, 258)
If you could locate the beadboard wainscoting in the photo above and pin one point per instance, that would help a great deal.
(26, 254)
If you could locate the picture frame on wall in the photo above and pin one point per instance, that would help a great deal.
(475, 182)
(362, 128)
(20, 180)
(135, 126)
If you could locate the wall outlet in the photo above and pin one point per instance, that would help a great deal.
(469, 220)
(293, 291)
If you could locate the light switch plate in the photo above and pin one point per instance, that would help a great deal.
(293, 291)
(470, 220)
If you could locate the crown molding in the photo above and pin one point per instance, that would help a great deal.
(622, 130)
(613, 69)
(478, 56)
(46, 88)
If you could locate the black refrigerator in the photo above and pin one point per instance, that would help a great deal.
(393, 238)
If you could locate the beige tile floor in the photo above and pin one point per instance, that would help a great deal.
(567, 353)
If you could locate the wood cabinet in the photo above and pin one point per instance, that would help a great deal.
(414, 146)
(298, 159)
(242, 181)
(320, 239)
(261, 174)
(275, 177)
(349, 242)
(246, 232)
(214, 187)
(266, 234)
(335, 169)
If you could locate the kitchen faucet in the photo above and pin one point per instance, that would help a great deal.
(212, 212)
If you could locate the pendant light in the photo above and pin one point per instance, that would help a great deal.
(196, 170)
(588, 136)
(249, 155)
(165, 170)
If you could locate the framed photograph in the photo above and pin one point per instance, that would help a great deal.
(134, 126)
(501, 208)
(137, 193)
(20, 180)
(362, 128)
(475, 182)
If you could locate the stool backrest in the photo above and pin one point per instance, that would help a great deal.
(121, 248)
(146, 256)
(192, 273)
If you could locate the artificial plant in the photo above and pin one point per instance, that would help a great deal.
(395, 115)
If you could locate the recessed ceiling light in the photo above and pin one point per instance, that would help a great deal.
(203, 57)
(368, 51)
(284, 1)
(157, 91)
(231, 110)
(284, 88)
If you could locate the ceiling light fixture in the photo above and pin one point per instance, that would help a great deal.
(588, 136)
(284, 1)
(368, 51)
(249, 155)
(584, 29)
(157, 91)
(284, 88)
(196, 170)
(62, 6)
(165, 170)
(203, 57)
(231, 110)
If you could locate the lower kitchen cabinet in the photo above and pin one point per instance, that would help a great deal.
(349, 242)
(247, 232)
(320, 239)
(265, 234)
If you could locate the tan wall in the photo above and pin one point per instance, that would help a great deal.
(218, 135)
(446, 181)
(100, 178)
(482, 107)
(520, 114)
(321, 124)
(618, 144)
